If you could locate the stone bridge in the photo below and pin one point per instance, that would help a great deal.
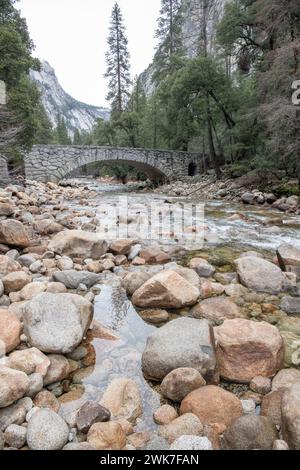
(53, 162)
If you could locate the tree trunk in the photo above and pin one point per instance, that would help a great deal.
(119, 69)
(212, 151)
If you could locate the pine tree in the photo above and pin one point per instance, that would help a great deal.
(118, 66)
(62, 136)
(169, 34)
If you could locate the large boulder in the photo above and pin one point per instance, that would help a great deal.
(166, 289)
(260, 275)
(185, 342)
(123, 399)
(13, 232)
(246, 349)
(212, 405)
(13, 385)
(290, 413)
(216, 310)
(47, 431)
(10, 331)
(78, 243)
(250, 432)
(57, 323)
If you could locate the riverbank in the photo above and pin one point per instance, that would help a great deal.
(140, 343)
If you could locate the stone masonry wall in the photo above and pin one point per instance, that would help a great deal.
(53, 163)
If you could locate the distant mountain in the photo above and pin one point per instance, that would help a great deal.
(56, 101)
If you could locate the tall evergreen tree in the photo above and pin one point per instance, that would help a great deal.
(62, 136)
(118, 65)
(169, 33)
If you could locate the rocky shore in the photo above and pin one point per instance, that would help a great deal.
(222, 352)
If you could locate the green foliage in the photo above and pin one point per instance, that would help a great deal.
(61, 135)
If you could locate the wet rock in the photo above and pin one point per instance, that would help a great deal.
(165, 415)
(10, 331)
(123, 399)
(246, 349)
(58, 370)
(15, 436)
(47, 431)
(133, 281)
(185, 342)
(187, 424)
(286, 378)
(290, 305)
(166, 289)
(259, 275)
(191, 443)
(180, 382)
(155, 316)
(216, 310)
(250, 432)
(78, 243)
(72, 279)
(261, 385)
(107, 436)
(57, 323)
(290, 414)
(45, 399)
(29, 361)
(202, 267)
(90, 413)
(13, 385)
(13, 233)
(212, 405)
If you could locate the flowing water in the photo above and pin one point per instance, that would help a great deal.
(122, 357)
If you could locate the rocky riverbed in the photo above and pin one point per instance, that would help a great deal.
(137, 343)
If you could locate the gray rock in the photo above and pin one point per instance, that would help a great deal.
(14, 414)
(192, 443)
(79, 446)
(4, 301)
(259, 274)
(185, 342)
(290, 416)
(133, 281)
(26, 260)
(47, 431)
(248, 198)
(15, 436)
(250, 432)
(288, 255)
(72, 279)
(280, 445)
(157, 443)
(57, 323)
(134, 252)
(290, 305)
(35, 385)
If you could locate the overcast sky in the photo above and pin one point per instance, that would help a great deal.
(71, 35)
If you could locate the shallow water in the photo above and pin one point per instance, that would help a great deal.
(122, 357)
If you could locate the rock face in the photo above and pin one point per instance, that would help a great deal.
(10, 331)
(185, 342)
(290, 413)
(166, 290)
(216, 310)
(78, 243)
(123, 400)
(250, 433)
(57, 323)
(47, 431)
(180, 382)
(107, 436)
(259, 274)
(246, 349)
(13, 385)
(12, 232)
(213, 405)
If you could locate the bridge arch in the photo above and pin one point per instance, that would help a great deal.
(54, 162)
